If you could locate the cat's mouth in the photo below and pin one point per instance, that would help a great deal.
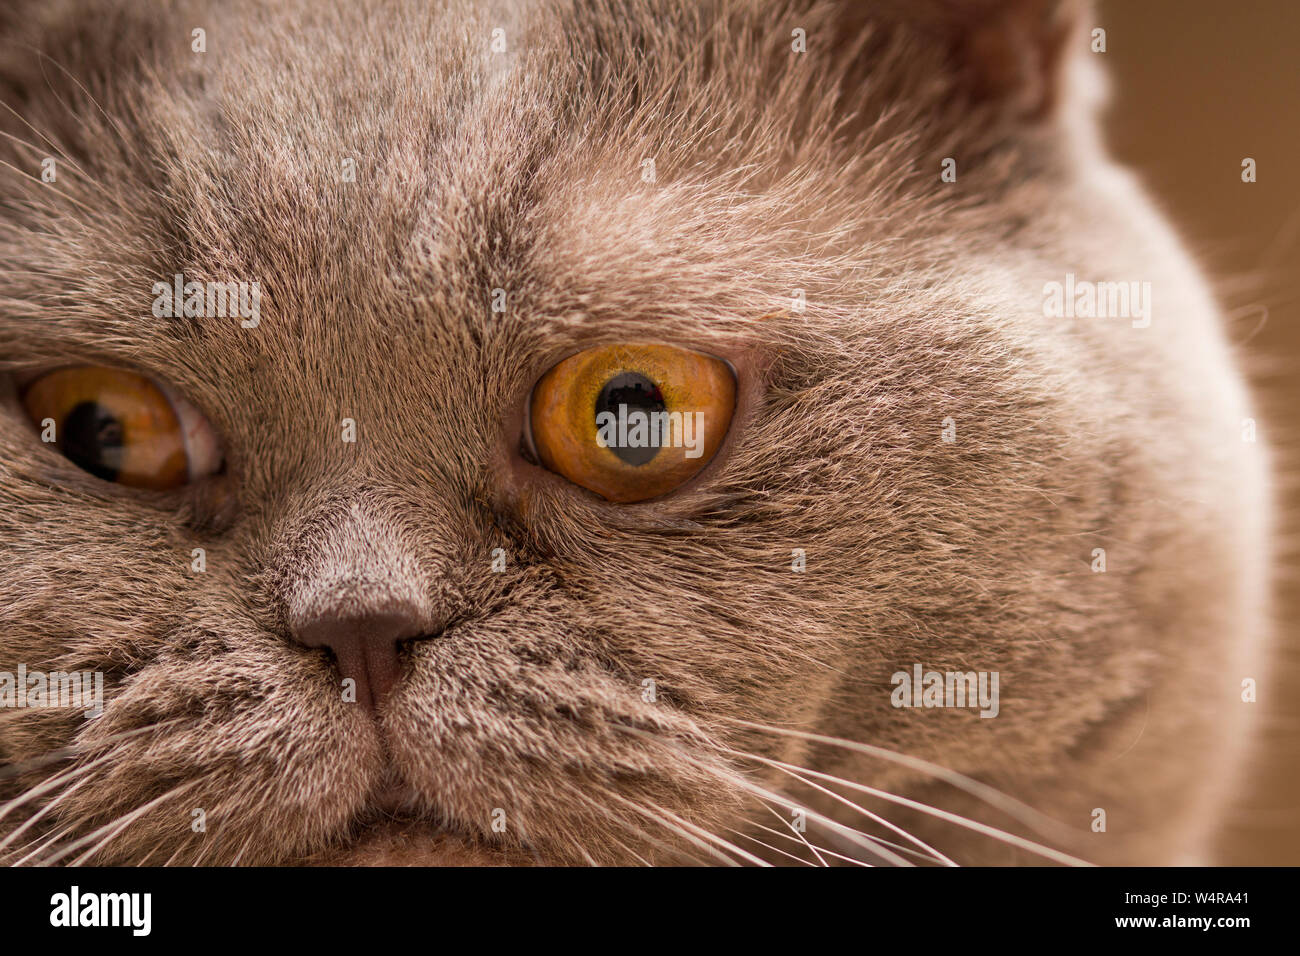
(404, 842)
(394, 833)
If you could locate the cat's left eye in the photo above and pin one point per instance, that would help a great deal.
(632, 421)
(122, 427)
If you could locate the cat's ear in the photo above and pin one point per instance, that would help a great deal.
(1012, 54)
(1007, 58)
(62, 60)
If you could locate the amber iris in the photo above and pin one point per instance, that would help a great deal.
(115, 424)
(632, 421)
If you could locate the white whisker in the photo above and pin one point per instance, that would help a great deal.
(795, 831)
(1039, 822)
(975, 825)
(754, 839)
(849, 803)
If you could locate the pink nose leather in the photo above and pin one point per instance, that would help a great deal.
(365, 648)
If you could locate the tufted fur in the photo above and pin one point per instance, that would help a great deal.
(521, 170)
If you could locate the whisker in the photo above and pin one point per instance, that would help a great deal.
(838, 856)
(865, 841)
(9, 771)
(978, 827)
(684, 834)
(115, 827)
(640, 832)
(754, 839)
(32, 820)
(243, 848)
(50, 841)
(185, 845)
(841, 832)
(726, 845)
(1039, 822)
(50, 783)
(632, 852)
(888, 824)
(795, 831)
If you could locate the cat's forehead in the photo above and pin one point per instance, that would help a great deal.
(447, 172)
(458, 158)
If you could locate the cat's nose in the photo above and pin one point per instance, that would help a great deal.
(366, 647)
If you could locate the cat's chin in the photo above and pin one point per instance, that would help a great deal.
(411, 843)
(394, 833)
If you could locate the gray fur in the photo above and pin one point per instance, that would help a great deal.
(522, 170)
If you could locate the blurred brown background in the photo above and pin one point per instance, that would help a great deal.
(1198, 85)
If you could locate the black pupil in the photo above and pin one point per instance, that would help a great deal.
(91, 437)
(638, 394)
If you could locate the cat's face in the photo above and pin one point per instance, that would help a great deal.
(437, 216)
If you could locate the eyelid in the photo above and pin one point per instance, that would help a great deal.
(202, 448)
(21, 378)
(529, 445)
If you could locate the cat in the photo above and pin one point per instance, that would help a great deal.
(380, 617)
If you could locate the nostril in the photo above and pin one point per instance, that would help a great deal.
(365, 647)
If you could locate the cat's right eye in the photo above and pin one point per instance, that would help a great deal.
(122, 427)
